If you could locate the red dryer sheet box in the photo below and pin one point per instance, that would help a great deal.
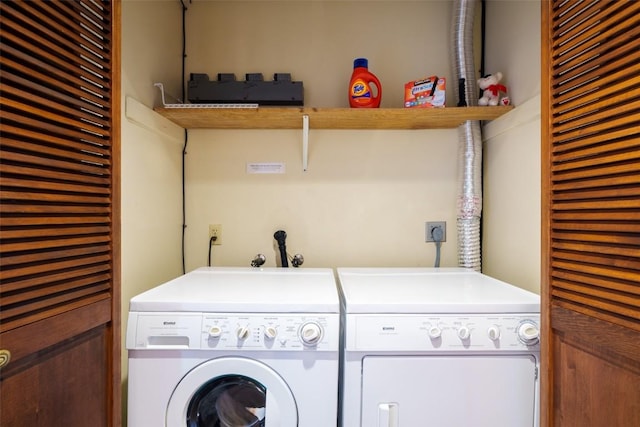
(425, 93)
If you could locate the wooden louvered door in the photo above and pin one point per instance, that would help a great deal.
(591, 213)
(59, 224)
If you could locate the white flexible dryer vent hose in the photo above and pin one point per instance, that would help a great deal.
(469, 198)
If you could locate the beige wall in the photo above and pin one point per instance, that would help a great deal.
(366, 194)
(217, 43)
(511, 220)
(362, 202)
(513, 46)
(317, 41)
(151, 154)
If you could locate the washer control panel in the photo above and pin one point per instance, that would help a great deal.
(278, 332)
(441, 332)
(222, 331)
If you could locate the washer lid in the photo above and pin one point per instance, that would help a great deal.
(244, 290)
(430, 290)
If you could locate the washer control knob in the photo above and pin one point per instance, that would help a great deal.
(310, 333)
(215, 332)
(270, 332)
(528, 332)
(464, 333)
(493, 332)
(435, 332)
(242, 332)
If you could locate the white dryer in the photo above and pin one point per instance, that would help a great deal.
(235, 347)
(437, 347)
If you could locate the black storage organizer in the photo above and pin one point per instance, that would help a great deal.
(255, 90)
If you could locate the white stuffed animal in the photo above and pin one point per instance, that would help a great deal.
(491, 90)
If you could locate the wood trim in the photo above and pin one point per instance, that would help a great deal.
(594, 187)
(56, 169)
(614, 343)
(115, 392)
(590, 101)
(328, 118)
(60, 175)
(49, 331)
(546, 350)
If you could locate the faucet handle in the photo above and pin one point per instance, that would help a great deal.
(258, 260)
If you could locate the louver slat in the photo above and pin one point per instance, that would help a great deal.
(595, 182)
(55, 159)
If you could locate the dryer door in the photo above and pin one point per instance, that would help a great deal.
(450, 391)
(232, 391)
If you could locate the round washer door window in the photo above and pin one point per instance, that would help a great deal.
(232, 392)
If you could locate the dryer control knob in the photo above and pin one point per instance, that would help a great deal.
(310, 333)
(493, 332)
(215, 332)
(242, 332)
(528, 332)
(435, 332)
(464, 333)
(270, 332)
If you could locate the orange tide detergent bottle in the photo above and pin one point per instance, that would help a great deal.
(365, 90)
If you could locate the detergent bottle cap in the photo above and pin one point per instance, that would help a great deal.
(360, 62)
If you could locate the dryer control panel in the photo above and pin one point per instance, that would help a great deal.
(232, 331)
(442, 332)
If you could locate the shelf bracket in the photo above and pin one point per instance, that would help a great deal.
(305, 141)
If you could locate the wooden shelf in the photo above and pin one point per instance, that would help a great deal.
(328, 118)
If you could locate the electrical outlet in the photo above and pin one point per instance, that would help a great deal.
(216, 230)
(430, 226)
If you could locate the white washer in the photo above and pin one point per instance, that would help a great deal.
(444, 347)
(254, 347)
